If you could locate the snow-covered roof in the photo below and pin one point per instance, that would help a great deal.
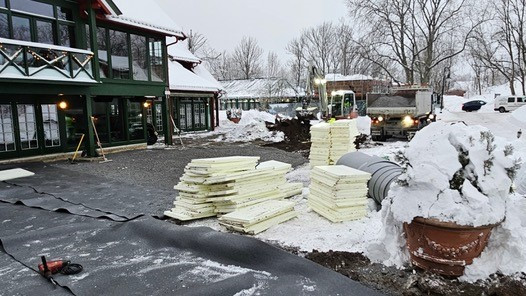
(146, 14)
(182, 79)
(179, 51)
(260, 88)
(340, 77)
(201, 71)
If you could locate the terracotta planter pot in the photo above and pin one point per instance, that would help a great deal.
(235, 120)
(444, 247)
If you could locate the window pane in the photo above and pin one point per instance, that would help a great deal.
(27, 127)
(140, 67)
(116, 121)
(67, 35)
(51, 128)
(511, 100)
(33, 7)
(119, 55)
(2, 3)
(135, 126)
(64, 13)
(4, 26)
(159, 117)
(88, 37)
(7, 133)
(21, 28)
(103, 52)
(75, 122)
(45, 32)
(101, 120)
(156, 60)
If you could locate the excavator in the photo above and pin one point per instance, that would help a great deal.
(342, 103)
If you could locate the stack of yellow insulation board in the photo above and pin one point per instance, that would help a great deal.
(260, 217)
(228, 184)
(338, 193)
(320, 137)
(343, 135)
(195, 190)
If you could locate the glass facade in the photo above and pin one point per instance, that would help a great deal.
(139, 57)
(120, 63)
(192, 114)
(35, 21)
(117, 131)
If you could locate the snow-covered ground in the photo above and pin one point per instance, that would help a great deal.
(506, 251)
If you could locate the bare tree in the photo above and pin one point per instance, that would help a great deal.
(196, 42)
(247, 58)
(273, 68)
(418, 36)
(298, 63)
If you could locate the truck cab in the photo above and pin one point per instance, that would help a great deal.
(401, 112)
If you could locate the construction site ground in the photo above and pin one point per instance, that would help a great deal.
(158, 169)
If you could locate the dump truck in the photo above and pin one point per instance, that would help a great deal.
(401, 112)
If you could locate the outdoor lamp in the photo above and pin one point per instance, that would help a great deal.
(146, 104)
(63, 105)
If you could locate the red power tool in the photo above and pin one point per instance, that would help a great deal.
(48, 269)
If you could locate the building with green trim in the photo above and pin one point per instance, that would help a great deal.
(67, 63)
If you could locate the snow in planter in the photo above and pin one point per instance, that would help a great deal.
(454, 173)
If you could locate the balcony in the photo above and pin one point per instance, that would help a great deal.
(38, 61)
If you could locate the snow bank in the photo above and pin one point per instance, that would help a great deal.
(364, 124)
(452, 173)
(520, 114)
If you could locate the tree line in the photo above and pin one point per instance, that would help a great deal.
(406, 41)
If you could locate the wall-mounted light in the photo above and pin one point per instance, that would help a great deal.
(146, 104)
(63, 105)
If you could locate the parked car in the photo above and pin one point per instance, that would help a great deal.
(473, 105)
(509, 103)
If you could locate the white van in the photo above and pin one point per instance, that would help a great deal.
(509, 103)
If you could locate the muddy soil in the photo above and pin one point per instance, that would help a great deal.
(412, 281)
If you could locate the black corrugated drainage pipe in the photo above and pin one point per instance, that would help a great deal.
(383, 172)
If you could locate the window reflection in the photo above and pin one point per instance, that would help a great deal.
(156, 60)
(140, 66)
(119, 55)
(2, 3)
(33, 7)
(103, 52)
(64, 13)
(45, 32)
(21, 29)
(67, 35)
(4, 26)
(135, 126)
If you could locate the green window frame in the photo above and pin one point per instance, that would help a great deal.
(145, 65)
(60, 18)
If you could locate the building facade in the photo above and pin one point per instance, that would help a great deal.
(87, 67)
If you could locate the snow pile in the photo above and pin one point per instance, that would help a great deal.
(364, 124)
(452, 173)
(251, 127)
(506, 249)
(520, 114)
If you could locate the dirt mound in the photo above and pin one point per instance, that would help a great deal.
(297, 135)
(412, 281)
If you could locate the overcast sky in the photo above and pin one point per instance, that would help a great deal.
(272, 22)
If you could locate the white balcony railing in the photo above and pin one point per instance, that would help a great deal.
(38, 61)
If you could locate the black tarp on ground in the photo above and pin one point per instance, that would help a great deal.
(152, 257)
(81, 193)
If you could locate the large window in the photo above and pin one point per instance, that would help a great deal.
(120, 62)
(27, 126)
(51, 125)
(130, 56)
(31, 20)
(139, 56)
(135, 125)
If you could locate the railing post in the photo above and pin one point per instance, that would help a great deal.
(70, 58)
(26, 64)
